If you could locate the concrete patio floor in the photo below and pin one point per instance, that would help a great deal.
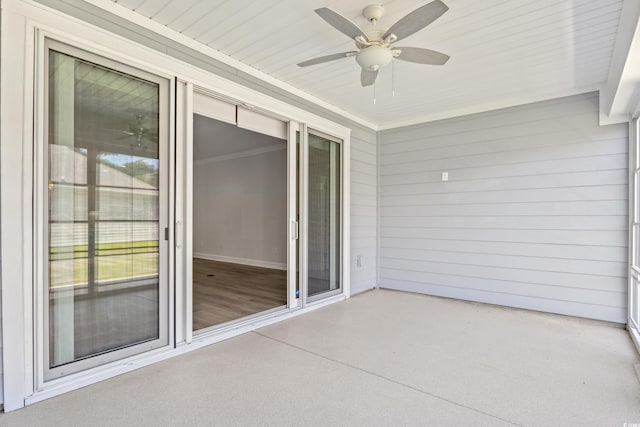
(380, 358)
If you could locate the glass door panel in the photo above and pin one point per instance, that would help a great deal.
(106, 290)
(323, 217)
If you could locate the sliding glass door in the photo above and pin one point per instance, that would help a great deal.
(106, 293)
(323, 216)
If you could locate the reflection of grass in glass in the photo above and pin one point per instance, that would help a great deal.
(80, 251)
(68, 265)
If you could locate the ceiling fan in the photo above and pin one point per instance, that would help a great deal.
(374, 46)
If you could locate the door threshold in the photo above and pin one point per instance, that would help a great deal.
(260, 320)
(234, 324)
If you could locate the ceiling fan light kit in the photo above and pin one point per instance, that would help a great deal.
(374, 57)
(374, 47)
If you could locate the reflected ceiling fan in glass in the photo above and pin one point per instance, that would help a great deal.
(138, 133)
(375, 46)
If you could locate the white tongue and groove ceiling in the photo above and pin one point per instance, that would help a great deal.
(503, 52)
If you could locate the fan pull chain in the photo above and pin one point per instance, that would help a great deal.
(374, 93)
(393, 78)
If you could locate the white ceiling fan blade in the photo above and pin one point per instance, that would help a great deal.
(327, 58)
(422, 56)
(340, 23)
(368, 77)
(417, 20)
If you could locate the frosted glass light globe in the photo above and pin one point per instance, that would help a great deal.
(374, 57)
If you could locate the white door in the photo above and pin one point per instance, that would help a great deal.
(322, 215)
(105, 211)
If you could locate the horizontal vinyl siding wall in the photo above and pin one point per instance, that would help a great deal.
(364, 185)
(534, 214)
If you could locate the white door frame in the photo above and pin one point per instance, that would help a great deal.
(184, 218)
(633, 318)
(304, 215)
(43, 372)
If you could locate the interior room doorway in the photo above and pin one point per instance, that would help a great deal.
(239, 222)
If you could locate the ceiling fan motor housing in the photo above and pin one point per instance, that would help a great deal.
(373, 13)
(374, 57)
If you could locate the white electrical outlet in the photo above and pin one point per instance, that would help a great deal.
(445, 176)
(358, 260)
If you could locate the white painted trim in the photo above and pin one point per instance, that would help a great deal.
(303, 161)
(484, 107)
(631, 214)
(171, 215)
(137, 19)
(292, 203)
(635, 337)
(619, 89)
(346, 216)
(634, 146)
(16, 78)
(243, 261)
(240, 154)
(188, 209)
(604, 120)
(118, 368)
(179, 244)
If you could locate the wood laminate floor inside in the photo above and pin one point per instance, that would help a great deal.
(224, 291)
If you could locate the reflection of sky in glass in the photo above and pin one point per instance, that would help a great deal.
(121, 159)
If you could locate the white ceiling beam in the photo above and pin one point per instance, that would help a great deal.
(620, 97)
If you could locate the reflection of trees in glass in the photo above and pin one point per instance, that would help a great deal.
(144, 170)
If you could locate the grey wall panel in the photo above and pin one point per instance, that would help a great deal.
(553, 180)
(567, 222)
(364, 192)
(513, 262)
(598, 207)
(363, 140)
(534, 213)
(464, 247)
(540, 168)
(414, 163)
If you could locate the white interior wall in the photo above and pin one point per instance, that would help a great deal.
(534, 214)
(240, 209)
